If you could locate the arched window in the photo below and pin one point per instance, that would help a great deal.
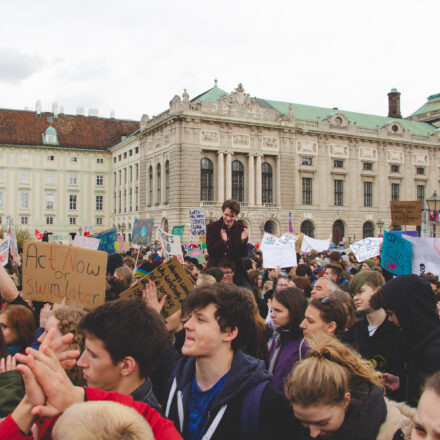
(164, 225)
(271, 227)
(237, 181)
(167, 181)
(308, 228)
(150, 185)
(368, 230)
(266, 182)
(206, 180)
(338, 231)
(158, 177)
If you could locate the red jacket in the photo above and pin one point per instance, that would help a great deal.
(163, 429)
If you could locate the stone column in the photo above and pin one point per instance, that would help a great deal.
(251, 180)
(228, 176)
(258, 181)
(220, 178)
(162, 181)
(278, 177)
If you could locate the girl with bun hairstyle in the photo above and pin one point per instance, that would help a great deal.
(337, 395)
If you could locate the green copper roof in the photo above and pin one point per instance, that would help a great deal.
(432, 105)
(212, 95)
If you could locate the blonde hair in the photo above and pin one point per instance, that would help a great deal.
(101, 420)
(205, 280)
(330, 371)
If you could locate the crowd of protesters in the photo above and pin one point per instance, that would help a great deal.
(325, 349)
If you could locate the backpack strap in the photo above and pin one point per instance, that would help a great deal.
(250, 411)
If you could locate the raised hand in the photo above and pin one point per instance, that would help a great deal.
(45, 313)
(8, 364)
(149, 295)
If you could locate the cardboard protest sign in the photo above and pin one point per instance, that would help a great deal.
(309, 244)
(396, 254)
(197, 222)
(142, 231)
(4, 252)
(425, 255)
(196, 253)
(52, 272)
(171, 245)
(107, 241)
(178, 230)
(59, 238)
(170, 279)
(366, 248)
(406, 213)
(86, 242)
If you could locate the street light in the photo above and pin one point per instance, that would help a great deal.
(380, 224)
(433, 203)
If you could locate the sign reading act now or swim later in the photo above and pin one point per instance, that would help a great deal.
(52, 272)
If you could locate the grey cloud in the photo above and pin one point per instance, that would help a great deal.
(16, 66)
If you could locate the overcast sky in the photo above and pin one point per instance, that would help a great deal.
(134, 56)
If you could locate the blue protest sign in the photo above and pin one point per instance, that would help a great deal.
(107, 240)
(142, 231)
(396, 254)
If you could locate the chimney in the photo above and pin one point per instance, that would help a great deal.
(26, 108)
(112, 114)
(61, 109)
(38, 108)
(80, 111)
(394, 104)
(93, 112)
(55, 109)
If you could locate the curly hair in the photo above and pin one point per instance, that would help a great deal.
(232, 204)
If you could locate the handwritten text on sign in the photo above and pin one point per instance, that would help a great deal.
(52, 272)
(197, 222)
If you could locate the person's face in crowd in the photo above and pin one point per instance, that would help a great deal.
(271, 274)
(362, 298)
(195, 272)
(228, 275)
(204, 337)
(283, 283)
(229, 217)
(392, 317)
(320, 289)
(173, 323)
(426, 420)
(8, 334)
(51, 323)
(291, 283)
(313, 323)
(365, 266)
(280, 315)
(260, 281)
(301, 261)
(330, 274)
(97, 364)
(322, 420)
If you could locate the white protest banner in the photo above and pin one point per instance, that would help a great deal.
(366, 248)
(425, 254)
(288, 239)
(269, 240)
(86, 242)
(282, 255)
(171, 245)
(60, 238)
(4, 252)
(197, 222)
(310, 244)
(13, 248)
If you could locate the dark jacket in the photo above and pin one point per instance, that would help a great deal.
(145, 394)
(276, 417)
(413, 301)
(11, 391)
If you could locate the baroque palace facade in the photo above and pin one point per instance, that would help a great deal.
(335, 171)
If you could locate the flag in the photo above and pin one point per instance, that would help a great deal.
(290, 222)
(38, 235)
(262, 223)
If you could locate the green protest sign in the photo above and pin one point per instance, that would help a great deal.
(178, 230)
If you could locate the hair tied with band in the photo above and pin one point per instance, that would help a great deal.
(320, 354)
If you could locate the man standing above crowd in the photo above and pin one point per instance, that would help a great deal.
(228, 238)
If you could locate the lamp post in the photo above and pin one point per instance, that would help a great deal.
(380, 224)
(433, 203)
(123, 229)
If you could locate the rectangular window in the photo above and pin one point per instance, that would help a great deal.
(125, 175)
(72, 201)
(395, 168)
(49, 220)
(1, 200)
(99, 221)
(421, 194)
(99, 160)
(114, 203)
(337, 163)
(73, 159)
(99, 203)
(114, 178)
(50, 201)
(24, 177)
(420, 171)
(1, 176)
(50, 157)
(368, 166)
(114, 159)
(306, 160)
(1, 220)
(125, 155)
(24, 201)
(136, 171)
(395, 189)
(130, 174)
(73, 179)
(368, 194)
(50, 179)
(130, 153)
(339, 192)
(307, 190)
(24, 220)
(136, 150)
(119, 158)
(99, 180)
(72, 220)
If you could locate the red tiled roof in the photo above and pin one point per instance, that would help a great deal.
(20, 127)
